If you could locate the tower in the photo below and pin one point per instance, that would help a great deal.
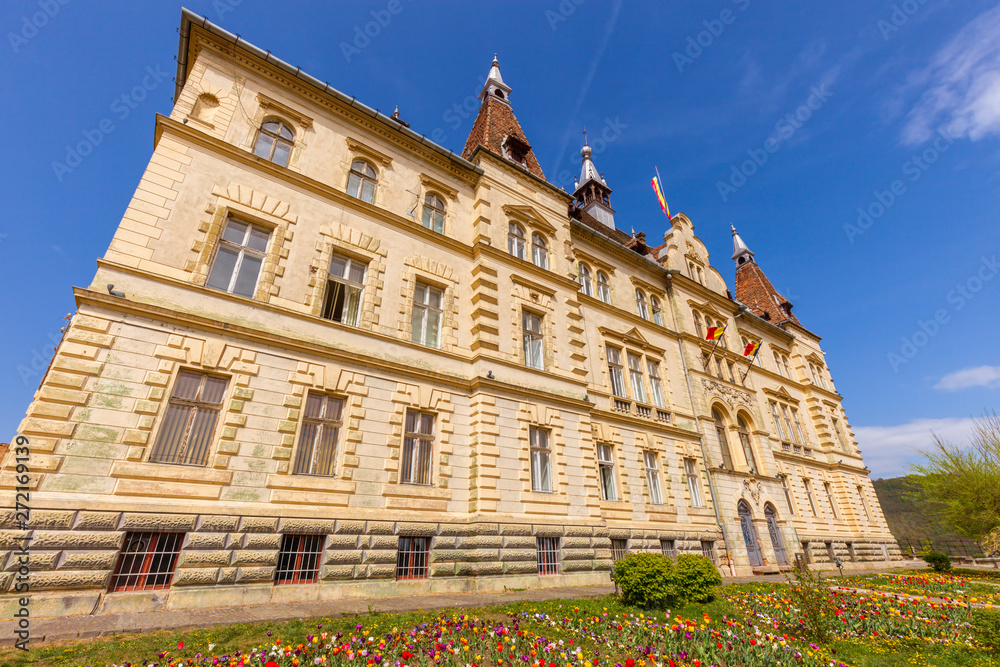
(592, 192)
(754, 290)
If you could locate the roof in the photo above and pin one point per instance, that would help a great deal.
(494, 124)
(756, 292)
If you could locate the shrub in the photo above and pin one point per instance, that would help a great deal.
(646, 580)
(937, 560)
(696, 578)
(812, 598)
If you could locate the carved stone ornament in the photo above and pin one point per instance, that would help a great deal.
(730, 395)
(754, 488)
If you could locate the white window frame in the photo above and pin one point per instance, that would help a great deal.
(357, 179)
(653, 478)
(242, 250)
(540, 453)
(418, 446)
(655, 383)
(635, 377)
(539, 251)
(532, 340)
(420, 327)
(656, 309)
(515, 240)
(606, 472)
(616, 372)
(694, 484)
(351, 288)
(586, 279)
(640, 304)
(603, 287)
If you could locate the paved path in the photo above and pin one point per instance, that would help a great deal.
(82, 627)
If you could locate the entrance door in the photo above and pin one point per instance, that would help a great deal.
(750, 536)
(775, 531)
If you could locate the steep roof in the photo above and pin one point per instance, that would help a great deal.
(495, 124)
(756, 292)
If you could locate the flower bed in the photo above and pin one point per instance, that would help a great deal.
(943, 586)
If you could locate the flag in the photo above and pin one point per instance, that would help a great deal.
(751, 348)
(659, 196)
(714, 333)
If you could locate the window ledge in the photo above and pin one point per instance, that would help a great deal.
(171, 472)
(416, 491)
(309, 483)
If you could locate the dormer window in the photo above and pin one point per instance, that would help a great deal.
(513, 148)
(274, 142)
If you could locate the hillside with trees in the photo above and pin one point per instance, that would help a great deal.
(914, 520)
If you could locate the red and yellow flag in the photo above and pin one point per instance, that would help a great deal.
(751, 348)
(659, 196)
(714, 333)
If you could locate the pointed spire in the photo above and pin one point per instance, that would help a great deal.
(592, 192)
(741, 253)
(494, 86)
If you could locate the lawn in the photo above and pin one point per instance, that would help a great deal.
(748, 625)
(927, 584)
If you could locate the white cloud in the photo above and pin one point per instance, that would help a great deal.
(962, 85)
(887, 449)
(977, 376)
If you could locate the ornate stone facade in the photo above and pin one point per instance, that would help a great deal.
(505, 375)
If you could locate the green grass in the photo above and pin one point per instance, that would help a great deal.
(135, 648)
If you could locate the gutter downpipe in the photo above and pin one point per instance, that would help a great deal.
(697, 423)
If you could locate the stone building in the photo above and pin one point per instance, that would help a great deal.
(325, 357)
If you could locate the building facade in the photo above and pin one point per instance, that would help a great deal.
(325, 357)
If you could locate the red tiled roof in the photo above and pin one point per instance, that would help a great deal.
(756, 292)
(495, 121)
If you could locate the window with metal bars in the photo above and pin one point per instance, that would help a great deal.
(418, 441)
(192, 412)
(619, 549)
(317, 454)
(298, 559)
(548, 555)
(413, 557)
(708, 550)
(239, 257)
(668, 548)
(146, 562)
(344, 290)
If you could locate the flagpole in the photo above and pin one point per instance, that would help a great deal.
(750, 365)
(712, 351)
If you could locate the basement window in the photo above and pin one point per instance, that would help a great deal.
(298, 560)
(413, 557)
(146, 562)
(548, 555)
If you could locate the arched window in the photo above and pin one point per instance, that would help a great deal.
(515, 240)
(361, 182)
(720, 431)
(274, 142)
(586, 284)
(539, 251)
(654, 305)
(434, 213)
(697, 325)
(747, 446)
(640, 304)
(603, 288)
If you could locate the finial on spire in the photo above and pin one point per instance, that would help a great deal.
(585, 136)
(495, 86)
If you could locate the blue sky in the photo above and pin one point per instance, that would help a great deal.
(904, 124)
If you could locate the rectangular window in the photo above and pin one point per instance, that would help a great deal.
(192, 412)
(653, 478)
(415, 466)
(238, 259)
(615, 372)
(809, 496)
(541, 460)
(298, 559)
(606, 466)
(427, 311)
(668, 548)
(548, 555)
(635, 375)
(321, 424)
(694, 487)
(413, 557)
(531, 326)
(788, 423)
(798, 426)
(777, 363)
(864, 505)
(345, 286)
(619, 549)
(708, 550)
(655, 384)
(829, 496)
(788, 494)
(840, 437)
(777, 420)
(146, 562)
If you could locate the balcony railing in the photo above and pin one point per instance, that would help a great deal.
(623, 406)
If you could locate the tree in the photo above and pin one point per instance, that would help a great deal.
(966, 481)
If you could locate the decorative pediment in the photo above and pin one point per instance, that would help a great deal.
(782, 394)
(530, 215)
(367, 151)
(582, 256)
(632, 337)
(816, 359)
(434, 184)
(647, 286)
(276, 107)
(707, 308)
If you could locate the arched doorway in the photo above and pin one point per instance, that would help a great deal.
(775, 531)
(749, 535)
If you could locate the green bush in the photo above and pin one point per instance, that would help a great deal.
(696, 578)
(937, 560)
(646, 580)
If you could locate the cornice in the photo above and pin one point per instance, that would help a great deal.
(524, 266)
